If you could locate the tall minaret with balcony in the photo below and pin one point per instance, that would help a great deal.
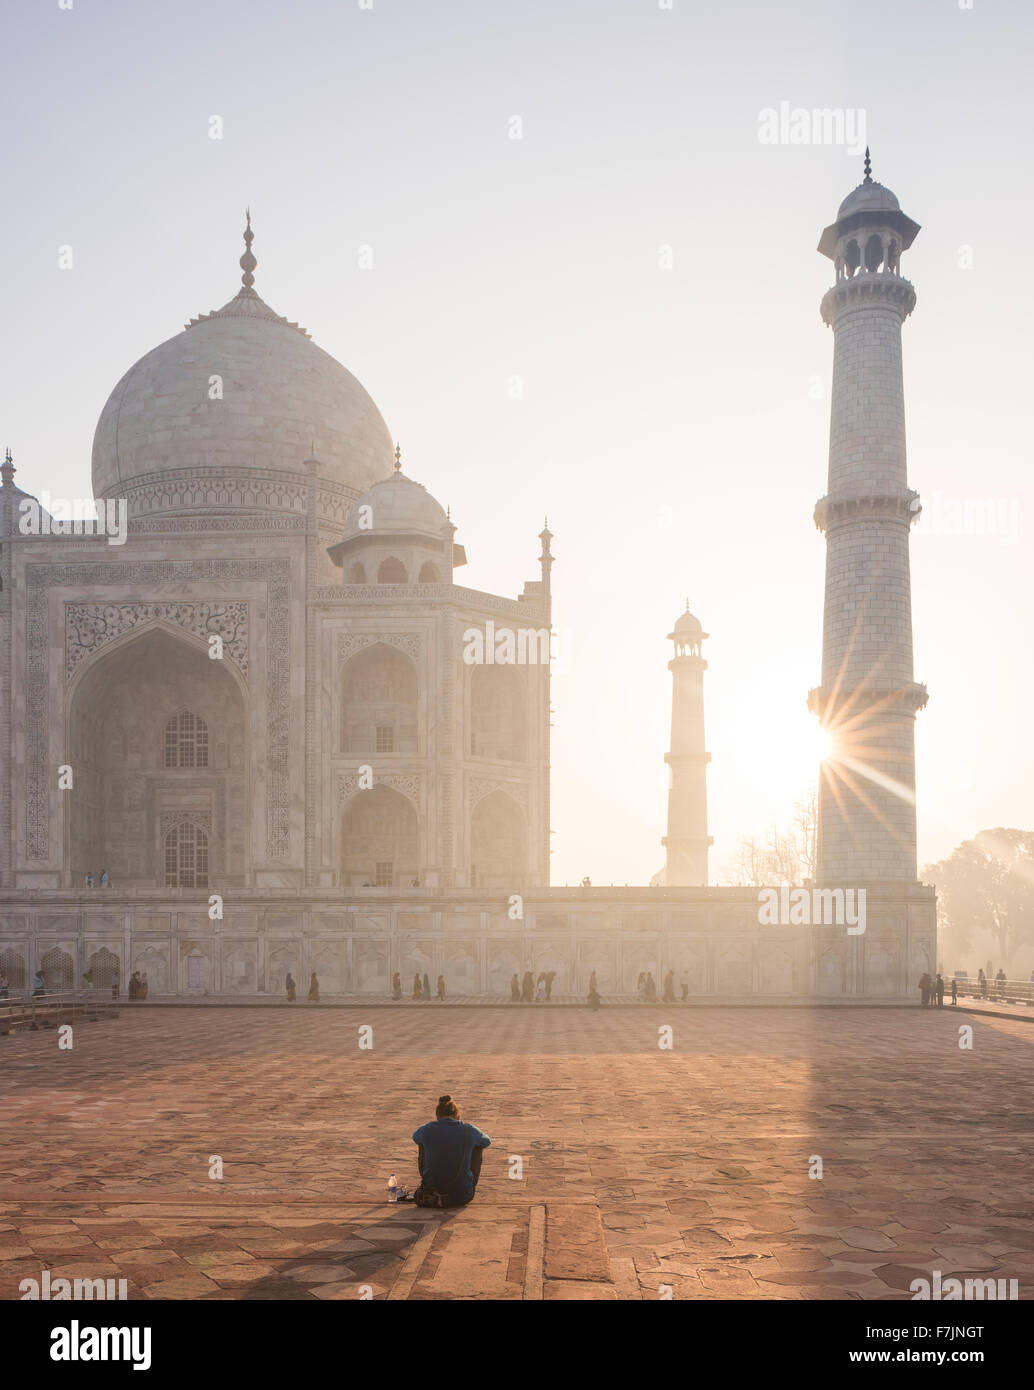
(687, 840)
(868, 698)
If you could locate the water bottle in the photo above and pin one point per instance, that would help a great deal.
(393, 1190)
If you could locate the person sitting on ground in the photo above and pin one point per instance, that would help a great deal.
(449, 1153)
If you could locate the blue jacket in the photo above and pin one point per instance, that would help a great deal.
(442, 1142)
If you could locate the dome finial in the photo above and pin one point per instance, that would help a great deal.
(7, 469)
(398, 459)
(868, 167)
(248, 261)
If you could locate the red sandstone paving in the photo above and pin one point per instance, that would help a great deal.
(691, 1165)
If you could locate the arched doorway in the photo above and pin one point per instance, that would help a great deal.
(186, 856)
(57, 968)
(157, 732)
(103, 968)
(379, 703)
(12, 964)
(379, 840)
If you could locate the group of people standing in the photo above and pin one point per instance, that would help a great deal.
(292, 988)
(526, 989)
(138, 985)
(105, 882)
(931, 991)
(421, 987)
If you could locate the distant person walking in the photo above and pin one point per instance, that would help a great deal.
(427, 986)
(134, 985)
(416, 986)
(314, 989)
(669, 987)
(396, 986)
(143, 985)
(640, 987)
(89, 880)
(940, 990)
(593, 986)
(39, 983)
(594, 997)
(291, 987)
(684, 985)
(954, 991)
(441, 986)
(550, 977)
(515, 989)
(1000, 982)
(449, 1153)
(540, 990)
(924, 987)
(982, 983)
(104, 878)
(651, 988)
(528, 987)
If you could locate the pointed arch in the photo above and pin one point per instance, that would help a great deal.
(379, 839)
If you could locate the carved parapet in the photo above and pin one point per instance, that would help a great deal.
(871, 698)
(837, 511)
(872, 287)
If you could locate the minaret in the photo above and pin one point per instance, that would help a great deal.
(868, 699)
(687, 840)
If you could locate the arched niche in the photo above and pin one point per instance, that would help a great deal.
(140, 699)
(379, 703)
(379, 839)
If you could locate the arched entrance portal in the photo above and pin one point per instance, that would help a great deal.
(157, 738)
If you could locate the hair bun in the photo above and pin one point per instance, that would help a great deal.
(444, 1100)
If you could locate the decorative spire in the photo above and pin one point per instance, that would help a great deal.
(7, 469)
(868, 167)
(248, 261)
(398, 459)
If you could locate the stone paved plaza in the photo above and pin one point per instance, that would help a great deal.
(642, 1168)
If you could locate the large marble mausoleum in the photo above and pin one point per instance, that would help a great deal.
(264, 716)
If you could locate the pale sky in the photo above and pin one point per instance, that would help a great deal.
(669, 424)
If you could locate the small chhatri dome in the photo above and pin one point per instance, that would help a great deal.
(241, 393)
(686, 625)
(869, 205)
(398, 507)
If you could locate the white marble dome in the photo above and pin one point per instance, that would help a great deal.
(398, 507)
(283, 399)
(868, 197)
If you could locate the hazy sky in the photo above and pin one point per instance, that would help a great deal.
(674, 422)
